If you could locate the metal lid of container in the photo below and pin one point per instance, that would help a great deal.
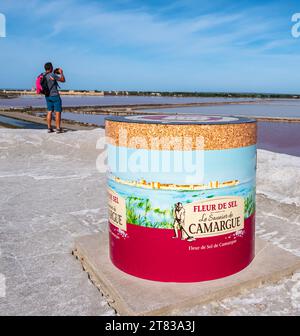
(181, 119)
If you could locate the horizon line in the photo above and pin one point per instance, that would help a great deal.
(163, 91)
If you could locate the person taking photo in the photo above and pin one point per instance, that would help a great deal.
(53, 99)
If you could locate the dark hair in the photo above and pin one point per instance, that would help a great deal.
(48, 66)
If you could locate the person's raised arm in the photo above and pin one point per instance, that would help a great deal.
(62, 76)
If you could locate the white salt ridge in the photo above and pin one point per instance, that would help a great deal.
(85, 212)
(278, 177)
(47, 177)
(296, 292)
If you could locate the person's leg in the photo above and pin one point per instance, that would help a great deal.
(57, 120)
(50, 108)
(58, 110)
(49, 119)
(175, 230)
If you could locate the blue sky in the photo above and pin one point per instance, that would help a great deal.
(192, 45)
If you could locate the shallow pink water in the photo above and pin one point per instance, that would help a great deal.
(280, 137)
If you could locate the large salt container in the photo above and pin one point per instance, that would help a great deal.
(181, 195)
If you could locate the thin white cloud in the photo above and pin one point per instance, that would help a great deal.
(140, 28)
(144, 48)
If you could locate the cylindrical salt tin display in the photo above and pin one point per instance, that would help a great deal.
(181, 195)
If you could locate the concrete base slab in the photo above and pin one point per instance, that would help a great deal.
(129, 295)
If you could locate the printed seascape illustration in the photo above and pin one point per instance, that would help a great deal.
(151, 197)
(182, 167)
(155, 208)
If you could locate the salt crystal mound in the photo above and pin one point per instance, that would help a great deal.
(278, 177)
(36, 240)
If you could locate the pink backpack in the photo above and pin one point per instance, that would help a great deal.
(38, 84)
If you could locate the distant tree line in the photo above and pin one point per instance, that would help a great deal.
(8, 93)
(203, 94)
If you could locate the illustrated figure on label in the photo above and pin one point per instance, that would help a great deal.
(179, 217)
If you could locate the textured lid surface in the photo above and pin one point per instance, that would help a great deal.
(181, 119)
